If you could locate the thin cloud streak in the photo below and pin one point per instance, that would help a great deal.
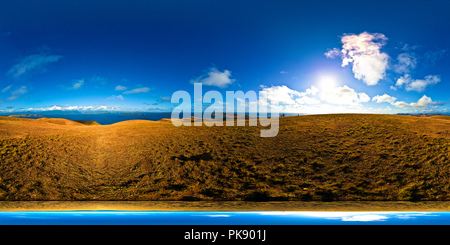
(32, 63)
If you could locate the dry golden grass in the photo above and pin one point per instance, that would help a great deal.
(320, 158)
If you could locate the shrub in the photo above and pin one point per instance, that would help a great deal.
(411, 193)
(259, 196)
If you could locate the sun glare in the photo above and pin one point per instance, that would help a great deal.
(327, 82)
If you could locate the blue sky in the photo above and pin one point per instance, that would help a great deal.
(312, 56)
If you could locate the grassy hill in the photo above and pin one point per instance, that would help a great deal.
(322, 157)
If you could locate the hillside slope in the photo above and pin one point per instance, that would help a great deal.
(322, 157)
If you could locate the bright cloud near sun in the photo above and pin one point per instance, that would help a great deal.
(363, 51)
(343, 96)
(327, 97)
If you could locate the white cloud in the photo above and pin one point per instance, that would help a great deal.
(418, 85)
(137, 90)
(405, 63)
(384, 98)
(310, 91)
(403, 80)
(165, 98)
(343, 96)
(363, 51)
(333, 53)
(363, 97)
(6, 89)
(215, 77)
(120, 88)
(307, 100)
(115, 97)
(77, 84)
(423, 103)
(315, 101)
(99, 79)
(32, 63)
(18, 92)
(74, 108)
(282, 94)
(431, 57)
(338, 95)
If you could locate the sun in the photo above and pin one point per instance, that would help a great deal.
(327, 82)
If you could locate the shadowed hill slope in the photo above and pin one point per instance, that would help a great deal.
(321, 157)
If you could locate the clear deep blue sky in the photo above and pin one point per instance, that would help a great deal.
(381, 56)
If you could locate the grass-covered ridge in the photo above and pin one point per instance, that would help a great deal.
(323, 158)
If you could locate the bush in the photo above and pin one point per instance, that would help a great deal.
(259, 196)
(411, 193)
(213, 192)
(326, 194)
